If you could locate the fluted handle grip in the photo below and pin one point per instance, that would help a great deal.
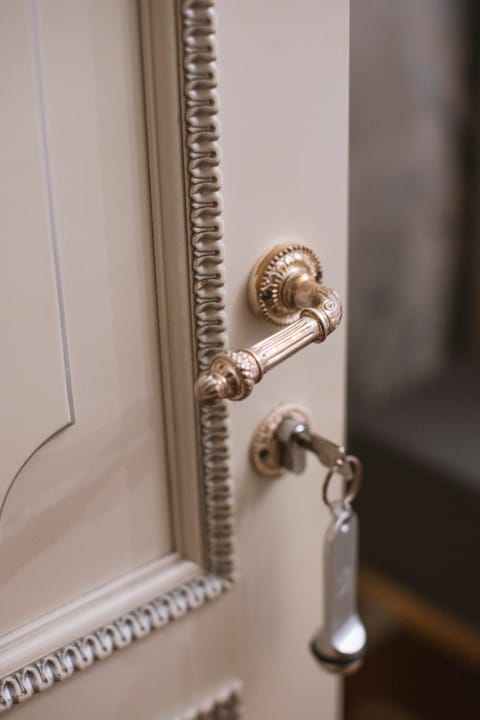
(233, 375)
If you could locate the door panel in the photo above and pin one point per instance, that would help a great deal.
(34, 381)
(92, 501)
(118, 535)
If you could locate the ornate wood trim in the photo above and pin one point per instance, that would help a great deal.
(99, 644)
(202, 160)
(198, 84)
(223, 705)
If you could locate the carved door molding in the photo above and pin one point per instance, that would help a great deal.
(180, 66)
(224, 704)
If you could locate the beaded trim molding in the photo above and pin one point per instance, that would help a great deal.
(204, 207)
(224, 705)
(121, 632)
(202, 160)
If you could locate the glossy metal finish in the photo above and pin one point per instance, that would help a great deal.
(341, 644)
(279, 445)
(233, 375)
(284, 281)
(271, 451)
(284, 288)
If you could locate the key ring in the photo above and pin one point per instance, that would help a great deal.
(351, 487)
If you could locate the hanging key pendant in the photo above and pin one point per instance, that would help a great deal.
(341, 643)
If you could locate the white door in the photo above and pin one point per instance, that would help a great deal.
(148, 572)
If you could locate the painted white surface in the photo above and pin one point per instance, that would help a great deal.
(92, 503)
(34, 401)
(284, 113)
(283, 89)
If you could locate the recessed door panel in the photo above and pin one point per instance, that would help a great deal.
(34, 384)
(92, 503)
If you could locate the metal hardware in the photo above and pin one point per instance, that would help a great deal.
(281, 441)
(284, 281)
(232, 375)
(340, 645)
(272, 456)
(279, 445)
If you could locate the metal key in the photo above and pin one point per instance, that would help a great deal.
(281, 443)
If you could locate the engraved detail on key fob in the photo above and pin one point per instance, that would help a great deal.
(280, 444)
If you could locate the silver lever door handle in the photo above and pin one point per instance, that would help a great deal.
(278, 290)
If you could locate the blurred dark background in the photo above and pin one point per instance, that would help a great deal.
(414, 356)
